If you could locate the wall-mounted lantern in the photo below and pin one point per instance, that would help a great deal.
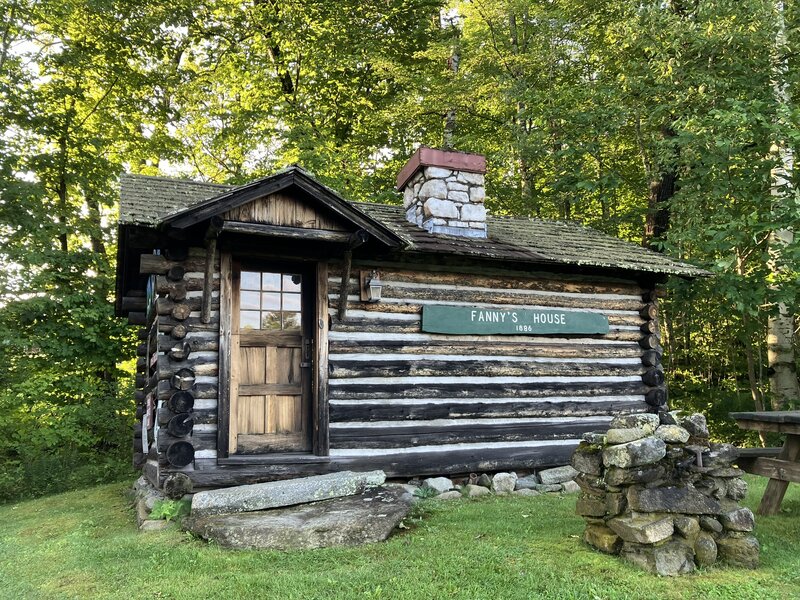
(371, 286)
(374, 286)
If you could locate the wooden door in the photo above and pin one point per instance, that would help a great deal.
(270, 359)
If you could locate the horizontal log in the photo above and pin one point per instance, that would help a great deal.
(304, 234)
(167, 307)
(392, 293)
(152, 264)
(542, 282)
(467, 389)
(129, 303)
(165, 324)
(203, 440)
(399, 464)
(209, 343)
(189, 283)
(774, 468)
(204, 416)
(177, 292)
(422, 434)
(478, 368)
(510, 348)
(205, 364)
(453, 409)
(202, 391)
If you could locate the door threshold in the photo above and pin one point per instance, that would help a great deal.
(272, 459)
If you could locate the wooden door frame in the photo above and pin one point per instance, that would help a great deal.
(319, 322)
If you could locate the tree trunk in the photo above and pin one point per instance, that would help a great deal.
(783, 381)
(661, 191)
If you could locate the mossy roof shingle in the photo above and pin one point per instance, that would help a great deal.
(147, 200)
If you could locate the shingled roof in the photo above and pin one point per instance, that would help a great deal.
(149, 200)
(145, 200)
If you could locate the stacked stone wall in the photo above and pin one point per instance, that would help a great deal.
(446, 201)
(656, 492)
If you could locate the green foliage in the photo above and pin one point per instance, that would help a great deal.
(170, 509)
(425, 492)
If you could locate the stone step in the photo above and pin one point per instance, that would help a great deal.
(347, 521)
(274, 494)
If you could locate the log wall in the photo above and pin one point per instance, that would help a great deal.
(182, 350)
(430, 403)
(398, 399)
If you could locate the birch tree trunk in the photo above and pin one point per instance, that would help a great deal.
(780, 327)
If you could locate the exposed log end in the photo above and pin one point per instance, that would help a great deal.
(137, 318)
(653, 377)
(176, 273)
(656, 397)
(649, 342)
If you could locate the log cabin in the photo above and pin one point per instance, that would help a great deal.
(285, 331)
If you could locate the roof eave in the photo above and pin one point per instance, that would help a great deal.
(294, 176)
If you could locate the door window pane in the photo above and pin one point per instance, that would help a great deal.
(291, 320)
(291, 302)
(271, 320)
(271, 281)
(250, 281)
(249, 301)
(291, 283)
(249, 319)
(270, 301)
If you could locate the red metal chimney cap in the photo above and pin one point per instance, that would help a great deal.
(448, 159)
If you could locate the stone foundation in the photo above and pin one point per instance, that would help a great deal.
(656, 492)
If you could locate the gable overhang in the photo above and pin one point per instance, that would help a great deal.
(291, 178)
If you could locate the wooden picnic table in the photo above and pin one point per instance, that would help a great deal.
(781, 470)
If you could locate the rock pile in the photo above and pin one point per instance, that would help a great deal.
(556, 480)
(656, 492)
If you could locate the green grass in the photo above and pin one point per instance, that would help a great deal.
(84, 544)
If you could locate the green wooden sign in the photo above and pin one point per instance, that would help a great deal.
(522, 321)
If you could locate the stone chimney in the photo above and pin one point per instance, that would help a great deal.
(443, 192)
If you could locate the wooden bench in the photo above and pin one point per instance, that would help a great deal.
(781, 465)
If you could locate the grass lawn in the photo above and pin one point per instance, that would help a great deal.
(84, 544)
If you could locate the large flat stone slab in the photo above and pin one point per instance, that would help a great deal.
(348, 521)
(274, 494)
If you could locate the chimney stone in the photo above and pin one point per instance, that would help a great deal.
(443, 192)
